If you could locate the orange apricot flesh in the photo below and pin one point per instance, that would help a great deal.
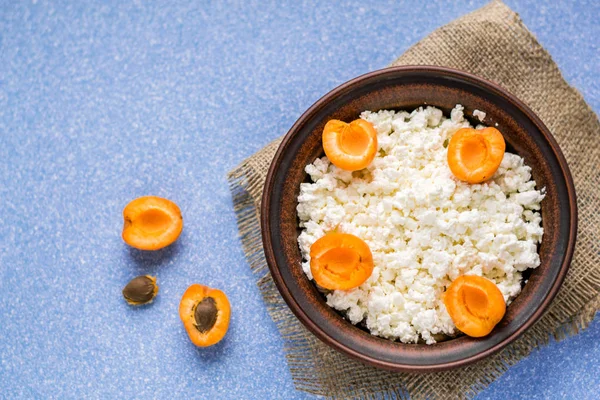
(151, 223)
(340, 261)
(205, 314)
(475, 155)
(350, 146)
(475, 305)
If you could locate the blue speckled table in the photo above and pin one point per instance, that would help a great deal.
(101, 103)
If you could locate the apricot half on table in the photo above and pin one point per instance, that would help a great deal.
(340, 261)
(475, 304)
(151, 223)
(205, 314)
(350, 146)
(474, 155)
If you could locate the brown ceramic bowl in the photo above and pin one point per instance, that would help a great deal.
(408, 88)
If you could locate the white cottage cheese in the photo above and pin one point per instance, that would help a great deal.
(424, 227)
(480, 115)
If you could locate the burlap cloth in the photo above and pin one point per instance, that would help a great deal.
(493, 43)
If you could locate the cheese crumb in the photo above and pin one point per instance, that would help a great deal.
(480, 115)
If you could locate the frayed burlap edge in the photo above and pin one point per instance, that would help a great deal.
(317, 369)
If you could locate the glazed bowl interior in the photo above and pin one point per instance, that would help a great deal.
(406, 88)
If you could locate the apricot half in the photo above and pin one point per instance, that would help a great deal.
(350, 146)
(474, 155)
(151, 223)
(340, 261)
(475, 304)
(205, 314)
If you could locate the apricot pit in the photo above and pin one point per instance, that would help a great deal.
(140, 290)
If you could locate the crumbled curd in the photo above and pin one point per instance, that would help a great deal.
(424, 227)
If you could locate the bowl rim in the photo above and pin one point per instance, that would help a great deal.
(313, 327)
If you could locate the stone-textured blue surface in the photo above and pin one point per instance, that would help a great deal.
(101, 103)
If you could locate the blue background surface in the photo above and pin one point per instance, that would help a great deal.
(101, 103)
